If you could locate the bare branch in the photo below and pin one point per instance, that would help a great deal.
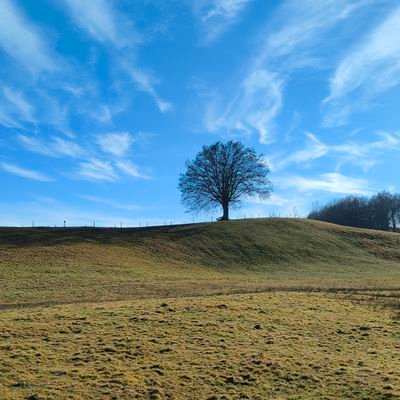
(221, 175)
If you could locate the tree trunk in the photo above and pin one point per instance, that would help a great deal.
(225, 216)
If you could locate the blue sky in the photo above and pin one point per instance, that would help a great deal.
(102, 102)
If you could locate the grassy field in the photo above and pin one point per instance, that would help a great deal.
(262, 309)
(51, 266)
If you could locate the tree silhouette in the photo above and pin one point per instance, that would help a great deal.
(222, 174)
(381, 211)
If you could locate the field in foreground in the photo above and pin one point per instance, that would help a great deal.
(262, 346)
(268, 309)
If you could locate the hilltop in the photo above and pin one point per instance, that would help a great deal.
(50, 266)
(188, 321)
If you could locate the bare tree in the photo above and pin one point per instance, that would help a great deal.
(394, 211)
(381, 211)
(222, 174)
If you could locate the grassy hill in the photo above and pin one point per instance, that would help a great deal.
(188, 323)
(48, 266)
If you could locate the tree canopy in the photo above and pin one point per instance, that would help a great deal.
(223, 174)
(381, 211)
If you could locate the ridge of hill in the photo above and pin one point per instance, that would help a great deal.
(50, 265)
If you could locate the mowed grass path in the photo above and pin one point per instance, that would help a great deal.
(262, 346)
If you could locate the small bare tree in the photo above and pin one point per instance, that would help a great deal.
(222, 175)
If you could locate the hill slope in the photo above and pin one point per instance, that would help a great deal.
(68, 265)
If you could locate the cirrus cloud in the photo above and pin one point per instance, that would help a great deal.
(24, 172)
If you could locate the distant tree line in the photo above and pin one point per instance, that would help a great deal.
(381, 211)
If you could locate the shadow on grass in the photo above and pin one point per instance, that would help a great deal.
(40, 236)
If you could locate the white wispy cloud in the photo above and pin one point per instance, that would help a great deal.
(146, 82)
(286, 37)
(254, 107)
(33, 144)
(118, 144)
(111, 203)
(129, 168)
(115, 143)
(275, 200)
(313, 151)
(97, 170)
(369, 69)
(90, 165)
(34, 103)
(102, 21)
(8, 121)
(22, 41)
(24, 172)
(285, 204)
(21, 105)
(216, 16)
(285, 46)
(364, 154)
(332, 182)
(67, 147)
(15, 109)
(102, 114)
(106, 170)
(53, 147)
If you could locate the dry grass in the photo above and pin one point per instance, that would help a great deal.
(52, 266)
(326, 329)
(263, 346)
